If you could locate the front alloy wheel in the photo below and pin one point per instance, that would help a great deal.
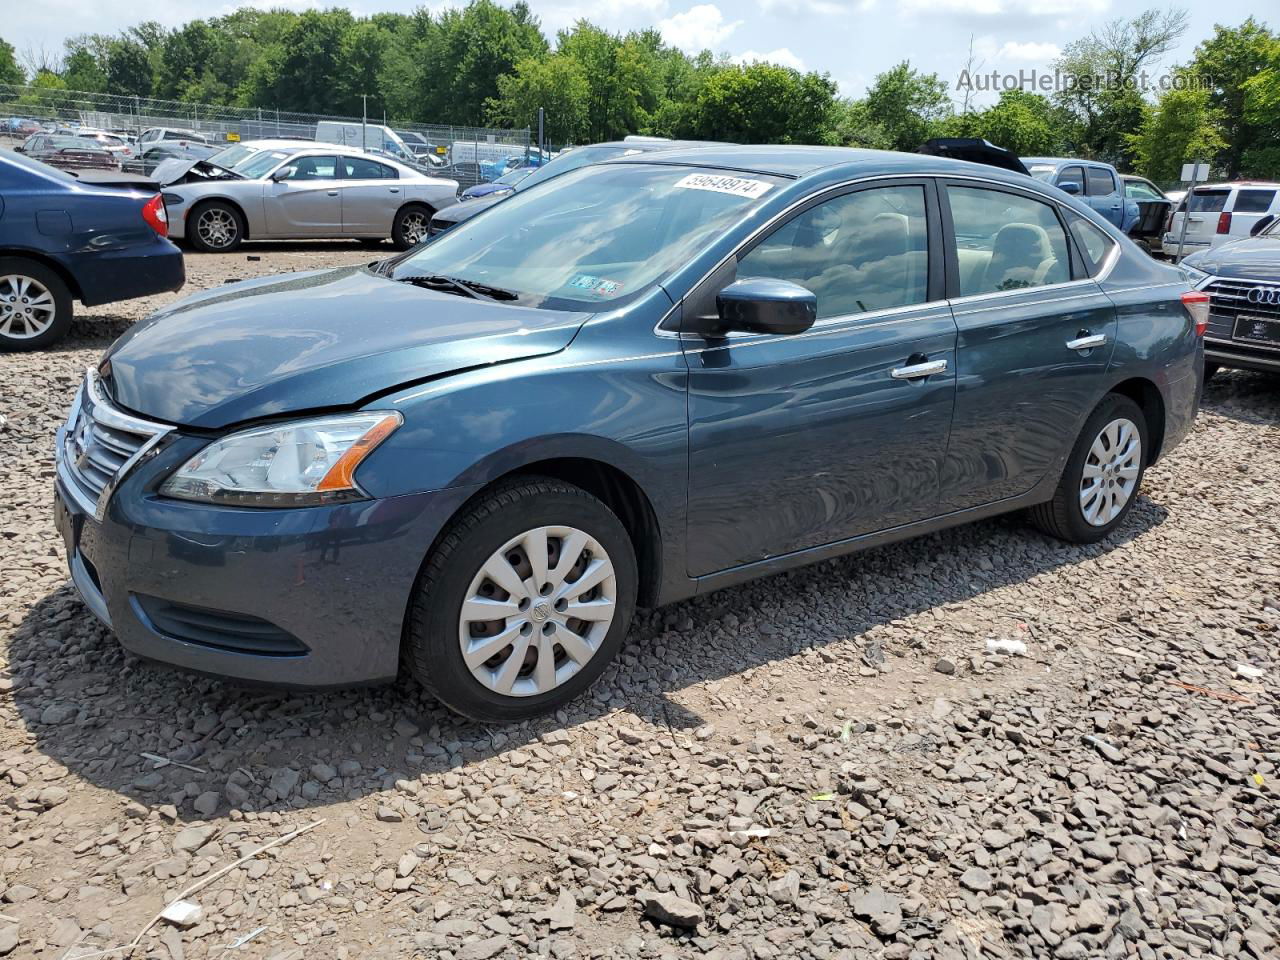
(524, 601)
(216, 228)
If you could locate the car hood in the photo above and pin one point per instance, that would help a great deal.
(1251, 258)
(174, 170)
(319, 340)
(456, 213)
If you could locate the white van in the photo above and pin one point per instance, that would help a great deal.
(1221, 212)
(367, 136)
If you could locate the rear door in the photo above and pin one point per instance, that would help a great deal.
(306, 201)
(1035, 337)
(1103, 194)
(798, 441)
(371, 195)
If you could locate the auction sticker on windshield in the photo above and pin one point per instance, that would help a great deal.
(738, 186)
(597, 285)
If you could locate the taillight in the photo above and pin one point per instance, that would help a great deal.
(1197, 306)
(1224, 222)
(157, 217)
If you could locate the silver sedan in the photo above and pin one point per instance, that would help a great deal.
(306, 190)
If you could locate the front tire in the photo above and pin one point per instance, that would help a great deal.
(410, 226)
(1101, 479)
(35, 305)
(215, 227)
(523, 603)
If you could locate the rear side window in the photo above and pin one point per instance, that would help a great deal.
(1101, 182)
(1208, 201)
(1093, 241)
(1254, 201)
(358, 168)
(1005, 241)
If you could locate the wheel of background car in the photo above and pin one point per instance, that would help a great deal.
(410, 225)
(523, 603)
(35, 305)
(1100, 482)
(1210, 370)
(215, 227)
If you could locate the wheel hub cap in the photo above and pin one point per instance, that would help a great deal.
(1110, 474)
(26, 307)
(537, 611)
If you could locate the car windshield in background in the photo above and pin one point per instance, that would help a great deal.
(514, 176)
(74, 143)
(593, 239)
(1208, 201)
(261, 162)
(1042, 171)
(230, 156)
(578, 157)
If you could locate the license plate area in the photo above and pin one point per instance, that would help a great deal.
(1260, 330)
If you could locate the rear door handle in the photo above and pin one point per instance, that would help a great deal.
(1087, 342)
(915, 371)
(394, 189)
(333, 193)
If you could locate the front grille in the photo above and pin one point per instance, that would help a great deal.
(100, 443)
(220, 630)
(1230, 298)
(436, 226)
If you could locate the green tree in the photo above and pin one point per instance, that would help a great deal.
(558, 84)
(305, 69)
(1229, 61)
(1025, 123)
(82, 71)
(762, 103)
(624, 84)
(852, 125)
(1183, 127)
(128, 67)
(907, 105)
(10, 72)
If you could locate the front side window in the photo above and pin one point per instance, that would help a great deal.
(311, 168)
(862, 251)
(1101, 182)
(1072, 175)
(1141, 190)
(592, 239)
(1093, 241)
(1005, 241)
(1254, 201)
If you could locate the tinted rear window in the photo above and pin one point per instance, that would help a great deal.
(1209, 201)
(1254, 201)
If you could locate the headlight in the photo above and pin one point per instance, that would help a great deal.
(299, 464)
(1192, 274)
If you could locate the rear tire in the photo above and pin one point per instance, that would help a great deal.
(533, 614)
(35, 305)
(410, 226)
(1103, 474)
(215, 227)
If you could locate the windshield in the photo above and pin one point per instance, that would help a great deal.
(574, 159)
(228, 157)
(593, 239)
(514, 176)
(262, 162)
(1042, 171)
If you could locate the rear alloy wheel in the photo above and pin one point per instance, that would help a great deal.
(1102, 475)
(215, 227)
(35, 305)
(524, 602)
(411, 225)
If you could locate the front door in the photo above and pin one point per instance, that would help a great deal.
(305, 201)
(371, 195)
(797, 441)
(1035, 338)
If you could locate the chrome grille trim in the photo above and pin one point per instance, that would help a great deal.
(99, 445)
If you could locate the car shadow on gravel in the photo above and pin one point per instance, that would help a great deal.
(96, 710)
(1244, 395)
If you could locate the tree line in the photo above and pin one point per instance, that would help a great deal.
(489, 64)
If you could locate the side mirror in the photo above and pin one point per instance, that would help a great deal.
(762, 305)
(281, 174)
(1071, 187)
(1262, 224)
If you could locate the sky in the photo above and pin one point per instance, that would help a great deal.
(851, 40)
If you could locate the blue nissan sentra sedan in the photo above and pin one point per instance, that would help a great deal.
(644, 380)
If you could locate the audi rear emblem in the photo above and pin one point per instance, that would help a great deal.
(1264, 295)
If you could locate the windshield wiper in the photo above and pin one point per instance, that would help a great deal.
(466, 288)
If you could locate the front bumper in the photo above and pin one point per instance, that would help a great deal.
(1230, 353)
(328, 586)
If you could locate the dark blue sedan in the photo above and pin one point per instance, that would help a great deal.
(644, 380)
(87, 236)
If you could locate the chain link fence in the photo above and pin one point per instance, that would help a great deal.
(462, 152)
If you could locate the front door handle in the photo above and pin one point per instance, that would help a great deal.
(915, 371)
(332, 193)
(1087, 342)
(394, 189)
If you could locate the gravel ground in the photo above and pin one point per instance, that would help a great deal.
(829, 763)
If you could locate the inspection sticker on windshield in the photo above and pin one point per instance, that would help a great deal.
(597, 285)
(738, 186)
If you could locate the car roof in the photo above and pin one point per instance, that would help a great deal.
(1239, 184)
(801, 161)
(1058, 161)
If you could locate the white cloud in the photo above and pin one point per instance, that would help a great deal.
(782, 57)
(1039, 52)
(610, 14)
(821, 8)
(702, 27)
